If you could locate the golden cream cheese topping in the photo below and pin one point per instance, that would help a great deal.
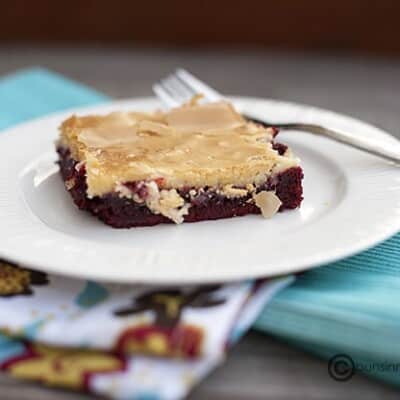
(214, 116)
(193, 145)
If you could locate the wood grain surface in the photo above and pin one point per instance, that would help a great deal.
(355, 25)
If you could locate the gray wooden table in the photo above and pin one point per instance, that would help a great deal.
(260, 367)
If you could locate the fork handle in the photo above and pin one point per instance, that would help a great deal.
(360, 143)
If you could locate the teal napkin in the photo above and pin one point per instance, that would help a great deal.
(36, 92)
(350, 307)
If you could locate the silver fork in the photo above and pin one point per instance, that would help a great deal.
(181, 86)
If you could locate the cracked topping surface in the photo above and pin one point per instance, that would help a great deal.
(193, 145)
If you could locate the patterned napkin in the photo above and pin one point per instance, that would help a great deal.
(120, 341)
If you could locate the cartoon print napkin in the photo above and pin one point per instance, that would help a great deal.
(120, 341)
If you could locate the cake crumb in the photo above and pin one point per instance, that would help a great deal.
(250, 187)
(79, 165)
(166, 202)
(170, 199)
(231, 192)
(69, 183)
(268, 203)
(123, 191)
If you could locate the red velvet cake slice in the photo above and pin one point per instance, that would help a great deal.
(193, 163)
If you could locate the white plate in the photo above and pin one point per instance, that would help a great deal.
(352, 201)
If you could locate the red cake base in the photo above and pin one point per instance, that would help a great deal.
(121, 212)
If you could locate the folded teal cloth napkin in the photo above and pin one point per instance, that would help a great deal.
(350, 307)
(36, 92)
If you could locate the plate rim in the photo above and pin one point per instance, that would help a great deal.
(367, 242)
